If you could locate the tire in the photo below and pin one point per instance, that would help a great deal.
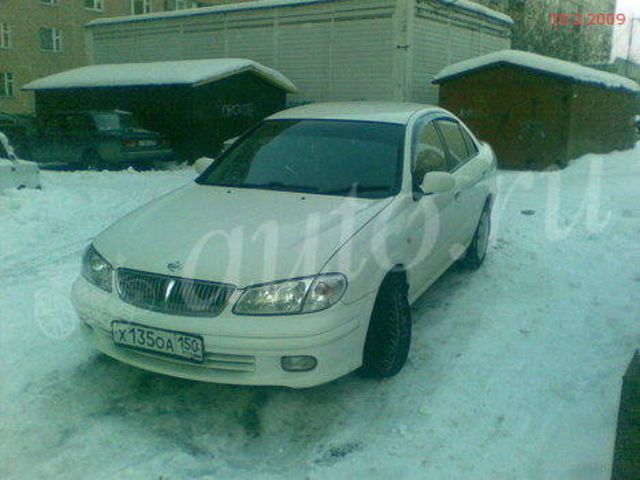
(477, 251)
(91, 160)
(389, 336)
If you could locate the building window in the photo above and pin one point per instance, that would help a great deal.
(50, 39)
(6, 84)
(97, 5)
(49, 2)
(140, 6)
(5, 35)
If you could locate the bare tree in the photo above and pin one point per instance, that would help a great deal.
(539, 29)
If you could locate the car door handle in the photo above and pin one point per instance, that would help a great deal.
(456, 195)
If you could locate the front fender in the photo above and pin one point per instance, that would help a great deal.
(374, 251)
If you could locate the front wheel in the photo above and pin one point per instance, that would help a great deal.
(389, 336)
(477, 251)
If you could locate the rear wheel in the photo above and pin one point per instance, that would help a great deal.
(477, 251)
(389, 336)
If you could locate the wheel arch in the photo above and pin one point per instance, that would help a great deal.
(399, 271)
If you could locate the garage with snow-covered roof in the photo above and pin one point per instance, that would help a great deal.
(538, 111)
(196, 104)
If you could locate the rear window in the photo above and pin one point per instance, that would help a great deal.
(114, 121)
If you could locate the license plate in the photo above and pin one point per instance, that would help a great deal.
(147, 143)
(165, 342)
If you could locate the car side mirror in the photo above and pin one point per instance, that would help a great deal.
(437, 182)
(202, 164)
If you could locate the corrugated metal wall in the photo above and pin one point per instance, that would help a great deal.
(442, 36)
(332, 51)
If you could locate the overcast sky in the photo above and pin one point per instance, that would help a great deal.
(621, 33)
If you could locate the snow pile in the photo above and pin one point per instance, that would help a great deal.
(186, 72)
(538, 63)
(262, 4)
(515, 370)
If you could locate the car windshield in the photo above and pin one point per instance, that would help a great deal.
(114, 121)
(329, 157)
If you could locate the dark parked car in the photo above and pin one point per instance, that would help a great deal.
(96, 139)
(18, 128)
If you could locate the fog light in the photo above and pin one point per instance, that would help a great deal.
(301, 363)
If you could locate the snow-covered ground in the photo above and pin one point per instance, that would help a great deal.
(514, 373)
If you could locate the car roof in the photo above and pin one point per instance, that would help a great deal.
(384, 112)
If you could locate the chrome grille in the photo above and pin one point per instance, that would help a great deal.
(173, 295)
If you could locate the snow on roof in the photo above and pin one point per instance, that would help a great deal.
(187, 72)
(386, 112)
(261, 4)
(538, 63)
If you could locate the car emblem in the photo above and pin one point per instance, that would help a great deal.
(175, 267)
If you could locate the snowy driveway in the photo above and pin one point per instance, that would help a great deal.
(514, 373)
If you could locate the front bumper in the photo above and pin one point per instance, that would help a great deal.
(238, 350)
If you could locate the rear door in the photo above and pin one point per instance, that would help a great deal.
(467, 168)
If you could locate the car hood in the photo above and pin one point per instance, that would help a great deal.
(237, 236)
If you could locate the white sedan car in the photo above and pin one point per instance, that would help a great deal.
(293, 258)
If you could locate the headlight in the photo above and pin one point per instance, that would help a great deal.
(96, 269)
(300, 295)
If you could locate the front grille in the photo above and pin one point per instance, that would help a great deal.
(173, 295)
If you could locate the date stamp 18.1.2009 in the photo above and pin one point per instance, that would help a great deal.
(586, 19)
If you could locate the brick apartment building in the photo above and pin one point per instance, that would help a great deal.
(43, 37)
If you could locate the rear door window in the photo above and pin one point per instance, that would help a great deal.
(455, 143)
(472, 149)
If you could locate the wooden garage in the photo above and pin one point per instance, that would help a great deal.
(538, 111)
(196, 104)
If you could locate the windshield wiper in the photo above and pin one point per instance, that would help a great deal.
(357, 189)
(281, 187)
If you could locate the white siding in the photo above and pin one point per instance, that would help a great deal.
(149, 42)
(341, 50)
(332, 51)
(439, 40)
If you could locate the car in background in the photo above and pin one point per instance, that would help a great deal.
(96, 140)
(16, 173)
(18, 128)
(293, 258)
